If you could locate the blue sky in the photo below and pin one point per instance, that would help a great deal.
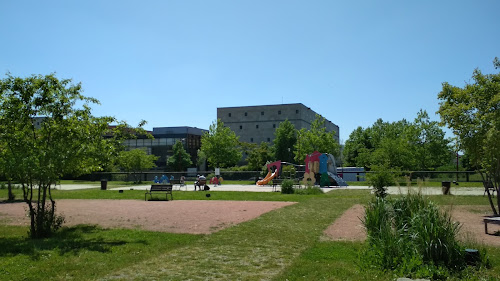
(172, 63)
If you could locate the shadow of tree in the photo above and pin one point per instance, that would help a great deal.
(68, 240)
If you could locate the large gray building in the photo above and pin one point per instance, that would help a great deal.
(256, 124)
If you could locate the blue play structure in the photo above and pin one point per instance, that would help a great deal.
(324, 166)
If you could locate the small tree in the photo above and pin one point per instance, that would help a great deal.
(180, 159)
(258, 157)
(135, 162)
(285, 139)
(46, 131)
(380, 178)
(315, 139)
(473, 113)
(221, 146)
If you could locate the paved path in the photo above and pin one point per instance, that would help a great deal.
(478, 191)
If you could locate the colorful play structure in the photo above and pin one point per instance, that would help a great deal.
(321, 167)
(273, 170)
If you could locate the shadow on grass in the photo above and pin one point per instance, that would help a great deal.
(68, 240)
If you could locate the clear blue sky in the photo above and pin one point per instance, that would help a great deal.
(172, 63)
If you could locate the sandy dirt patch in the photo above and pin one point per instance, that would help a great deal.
(348, 227)
(177, 216)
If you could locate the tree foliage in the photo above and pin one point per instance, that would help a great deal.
(418, 145)
(180, 159)
(220, 145)
(473, 114)
(67, 140)
(315, 139)
(258, 156)
(284, 141)
(136, 161)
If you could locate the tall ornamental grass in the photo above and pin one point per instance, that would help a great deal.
(411, 236)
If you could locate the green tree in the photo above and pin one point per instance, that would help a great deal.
(285, 139)
(135, 162)
(393, 148)
(473, 114)
(6, 169)
(46, 131)
(315, 139)
(418, 145)
(201, 159)
(180, 160)
(258, 157)
(358, 148)
(432, 149)
(221, 146)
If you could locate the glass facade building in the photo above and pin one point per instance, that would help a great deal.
(164, 140)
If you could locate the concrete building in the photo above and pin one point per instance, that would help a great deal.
(165, 138)
(256, 124)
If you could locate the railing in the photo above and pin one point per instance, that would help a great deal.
(460, 176)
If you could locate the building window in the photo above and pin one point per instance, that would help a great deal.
(279, 112)
(262, 113)
(229, 114)
(246, 113)
(297, 111)
(256, 126)
(241, 127)
(251, 139)
(274, 126)
(268, 139)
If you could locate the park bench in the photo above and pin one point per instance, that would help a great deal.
(493, 220)
(160, 188)
(275, 183)
(178, 182)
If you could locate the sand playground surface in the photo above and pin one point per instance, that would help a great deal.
(205, 217)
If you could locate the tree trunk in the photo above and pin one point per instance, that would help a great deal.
(12, 197)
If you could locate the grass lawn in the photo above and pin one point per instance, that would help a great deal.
(414, 183)
(283, 244)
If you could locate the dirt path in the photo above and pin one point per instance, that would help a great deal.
(177, 216)
(349, 227)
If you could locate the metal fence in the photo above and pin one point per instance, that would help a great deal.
(460, 176)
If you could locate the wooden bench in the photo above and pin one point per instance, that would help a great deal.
(178, 182)
(167, 188)
(275, 183)
(493, 220)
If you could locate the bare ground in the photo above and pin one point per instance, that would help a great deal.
(348, 227)
(178, 216)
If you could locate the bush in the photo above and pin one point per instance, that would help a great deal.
(380, 178)
(287, 187)
(288, 171)
(413, 237)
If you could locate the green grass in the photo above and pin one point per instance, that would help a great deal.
(97, 193)
(280, 245)
(331, 261)
(82, 252)
(414, 183)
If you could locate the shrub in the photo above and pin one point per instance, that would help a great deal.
(413, 237)
(288, 171)
(381, 177)
(287, 187)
